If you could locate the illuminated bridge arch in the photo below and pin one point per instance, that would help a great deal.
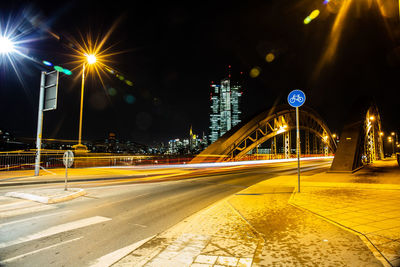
(267, 125)
(361, 138)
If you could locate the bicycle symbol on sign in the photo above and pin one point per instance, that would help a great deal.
(295, 98)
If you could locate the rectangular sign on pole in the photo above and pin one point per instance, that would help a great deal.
(51, 88)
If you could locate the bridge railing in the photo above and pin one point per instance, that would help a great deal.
(277, 156)
(25, 160)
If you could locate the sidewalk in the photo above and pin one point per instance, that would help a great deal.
(336, 220)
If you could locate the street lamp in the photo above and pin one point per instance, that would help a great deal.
(6, 45)
(395, 139)
(90, 59)
(391, 141)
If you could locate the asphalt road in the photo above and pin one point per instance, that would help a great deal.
(116, 214)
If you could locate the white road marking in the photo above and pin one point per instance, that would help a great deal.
(33, 218)
(29, 209)
(39, 250)
(56, 230)
(111, 258)
(17, 204)
(141, 225)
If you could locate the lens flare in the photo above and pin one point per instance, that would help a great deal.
(255, 72)
(16, 34)
(344, 10)
(270, 57)
(91, 59)
(6, 45)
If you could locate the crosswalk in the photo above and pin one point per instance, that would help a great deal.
(21, 222)
(22, 207)
(56, 230)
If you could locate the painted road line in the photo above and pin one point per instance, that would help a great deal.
(33, 218)
(16, 205)
(38, 250)
(25, 210)
(56, 230)
(115, 256)
(140, 225)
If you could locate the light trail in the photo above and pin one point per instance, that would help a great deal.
(220, 164)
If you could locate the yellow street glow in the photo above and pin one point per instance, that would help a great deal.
(91, 59)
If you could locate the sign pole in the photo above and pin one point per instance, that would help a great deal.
(39, 124)
(298, 147)
(296, 99)
(66, 176)
(68, 160)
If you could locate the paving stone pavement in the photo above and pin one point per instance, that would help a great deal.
(336, 220)
(217, 236)
(373, 213)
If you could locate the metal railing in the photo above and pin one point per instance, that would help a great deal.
(25, 160)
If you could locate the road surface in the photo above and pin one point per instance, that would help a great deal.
(116, 214)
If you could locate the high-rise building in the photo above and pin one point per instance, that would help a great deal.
(225, 111)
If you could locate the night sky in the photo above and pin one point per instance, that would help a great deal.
(172, 51)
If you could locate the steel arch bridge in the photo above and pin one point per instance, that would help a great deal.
(268, 125)
(361, 138)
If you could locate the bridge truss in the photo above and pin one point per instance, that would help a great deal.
(276, 126)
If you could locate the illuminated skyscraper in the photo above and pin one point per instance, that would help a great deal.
(225, 112)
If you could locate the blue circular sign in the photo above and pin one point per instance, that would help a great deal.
(296, 98)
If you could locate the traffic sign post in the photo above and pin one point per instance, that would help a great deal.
(68, 160)
(47, 101)
(296, 99)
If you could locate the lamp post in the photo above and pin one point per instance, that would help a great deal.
(395, 141)
(90, 59)
(390, 139)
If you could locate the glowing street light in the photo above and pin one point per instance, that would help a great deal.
(93, 56)
(90, 60)
(6, 45)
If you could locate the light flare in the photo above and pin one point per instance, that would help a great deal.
(344, 9)
(91, 50)
(6, 45)
(16, 34)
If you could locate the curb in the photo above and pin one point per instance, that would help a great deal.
(77, 192)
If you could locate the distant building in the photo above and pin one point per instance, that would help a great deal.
(225, 110)
(191, 145)
(114, 145)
